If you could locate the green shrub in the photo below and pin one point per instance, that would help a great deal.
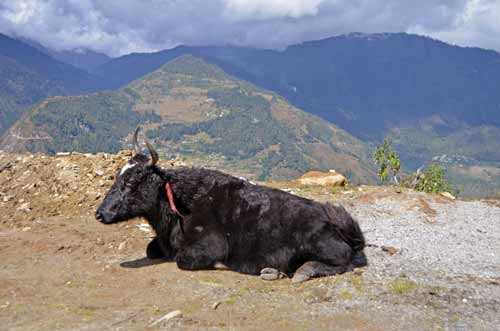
(433, 180)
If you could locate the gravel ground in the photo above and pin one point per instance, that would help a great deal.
(463, 238)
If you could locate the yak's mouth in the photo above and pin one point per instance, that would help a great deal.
(107, 218)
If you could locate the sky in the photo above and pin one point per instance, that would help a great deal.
(118, 27)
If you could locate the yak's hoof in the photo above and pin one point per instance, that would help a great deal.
(271, 274)
(299, 278)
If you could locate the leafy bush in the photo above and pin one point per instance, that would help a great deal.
(388, 160)
(433, 180)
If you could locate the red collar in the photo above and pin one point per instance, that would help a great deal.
(170, 197)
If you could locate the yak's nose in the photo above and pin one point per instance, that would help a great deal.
(99, 216)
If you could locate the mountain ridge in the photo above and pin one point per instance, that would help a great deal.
(193, 109)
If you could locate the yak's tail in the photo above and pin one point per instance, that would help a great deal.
(349, 231)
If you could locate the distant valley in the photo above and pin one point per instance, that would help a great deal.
(435, 101)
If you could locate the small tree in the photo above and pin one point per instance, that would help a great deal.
(388, 160)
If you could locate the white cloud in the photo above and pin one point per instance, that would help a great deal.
(118, 27)
(240, 10)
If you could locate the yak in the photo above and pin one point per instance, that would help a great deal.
(205, 219)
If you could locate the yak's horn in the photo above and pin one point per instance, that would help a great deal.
(154, 154)
(137, 149)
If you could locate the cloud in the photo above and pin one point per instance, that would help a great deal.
(119, 27)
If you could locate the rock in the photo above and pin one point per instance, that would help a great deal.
(317, 178)
(144, 227)
(24, 207)
(122, 245)
(448, 195)
(7, 198)
(390, 250)
(216, 305)
(169, 316)
(26, 228)
(63, 153)
(99, 172)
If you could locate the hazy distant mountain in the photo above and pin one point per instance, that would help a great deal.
(195, 109)
(27, 76)
(81, 58)
(19, 88)
(366, 83)
(434, 100)
(73, 79)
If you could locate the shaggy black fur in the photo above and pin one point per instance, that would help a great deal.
(228, 220)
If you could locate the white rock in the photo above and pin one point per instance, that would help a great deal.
(448, 195)
(169, 316)
(144, 227)
(122, 245)
(24, 207)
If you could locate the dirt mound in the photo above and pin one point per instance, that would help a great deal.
(34, 186)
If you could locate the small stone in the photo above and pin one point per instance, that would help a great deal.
(216, 305)
(448, 195)
(389, 249)
(63, 154)
(24, 207)
(7, 198)
(99, 172)
(26, 228)
(122, 245)
(169, 316)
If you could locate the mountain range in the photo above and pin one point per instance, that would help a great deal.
(436, 102)
(192, 108)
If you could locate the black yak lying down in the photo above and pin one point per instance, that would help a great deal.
(230, 222)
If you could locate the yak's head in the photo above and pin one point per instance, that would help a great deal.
(135, 191)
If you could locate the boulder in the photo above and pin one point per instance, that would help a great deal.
(318, 178)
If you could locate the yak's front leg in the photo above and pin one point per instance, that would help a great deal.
(207, 251)
(157, 250)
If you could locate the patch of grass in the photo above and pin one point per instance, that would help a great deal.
(233, 298)
(358, 283)
(346, 295)
(402, 286)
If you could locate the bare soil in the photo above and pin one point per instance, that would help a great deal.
(63, 270)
